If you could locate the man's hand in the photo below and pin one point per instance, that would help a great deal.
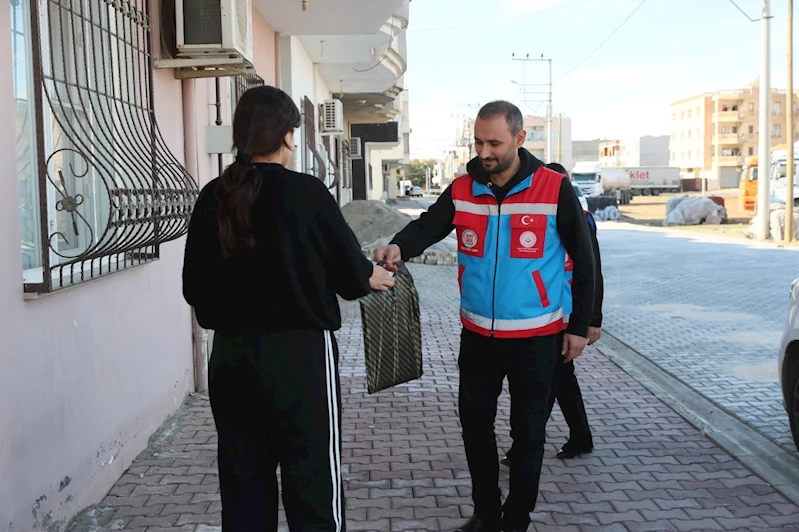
(381, 280)
(391, 254)
(572, 346)
(594, 334)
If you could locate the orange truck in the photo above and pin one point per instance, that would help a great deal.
(748, 184)
(777, 167)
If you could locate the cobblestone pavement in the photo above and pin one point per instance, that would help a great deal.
(405, 467)
(709, 313)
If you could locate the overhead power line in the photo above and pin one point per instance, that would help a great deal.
(603, 43)
(744, 12)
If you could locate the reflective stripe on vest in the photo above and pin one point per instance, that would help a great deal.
(510, 257)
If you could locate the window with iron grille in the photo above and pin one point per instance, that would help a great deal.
(313, 162)
(99, 191)
(244, 83)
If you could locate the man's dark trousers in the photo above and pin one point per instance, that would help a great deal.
(529, 364)
(566, 390)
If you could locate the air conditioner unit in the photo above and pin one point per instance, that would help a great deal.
(332, 117)
(355, 149)
(207, 28)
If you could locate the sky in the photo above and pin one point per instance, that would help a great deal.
(460, 56)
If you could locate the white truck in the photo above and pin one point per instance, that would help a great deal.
(594, 180)
(653, 180)
(778, 185)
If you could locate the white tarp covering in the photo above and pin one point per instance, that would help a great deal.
(693, 211)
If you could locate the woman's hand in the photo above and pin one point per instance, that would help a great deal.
(381, 280)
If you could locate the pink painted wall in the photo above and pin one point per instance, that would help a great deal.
(264, 47)
(199, 98)
(90, 373)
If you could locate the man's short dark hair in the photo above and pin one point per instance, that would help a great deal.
(557, 167)
(511, 113)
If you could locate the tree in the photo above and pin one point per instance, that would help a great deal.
(417, 172)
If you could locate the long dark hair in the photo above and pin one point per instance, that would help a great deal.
(264, 116)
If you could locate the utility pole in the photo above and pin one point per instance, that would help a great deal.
(789, 114)
(549, 113)
(427, 177)
(764, 126)
(476, 107)
(560, 136)
(548, 94)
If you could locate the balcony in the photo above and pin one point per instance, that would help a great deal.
(731, 96)
(726, 160)
(726, 138)
(726, 116)
(361, 65)
(329, 17)
(369, 108)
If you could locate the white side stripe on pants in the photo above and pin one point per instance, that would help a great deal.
(335, 440)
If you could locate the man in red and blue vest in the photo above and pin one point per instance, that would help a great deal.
(515, 222)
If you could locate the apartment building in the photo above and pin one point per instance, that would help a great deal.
(648, 150)
(536, 142)
(115, 130)
(585, 150)
(464, 143)
(610, 153)
(712, 133)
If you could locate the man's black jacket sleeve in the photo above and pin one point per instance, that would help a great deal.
(431, 227)
(596, 320)
(576, 237)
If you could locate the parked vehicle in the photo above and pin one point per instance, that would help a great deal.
(777, 174)
(416, 192)
(788, 364)
(653, 180)
(580, 196)
(594, 180)
(748, 184)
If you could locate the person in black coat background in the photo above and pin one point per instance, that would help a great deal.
(566, 389)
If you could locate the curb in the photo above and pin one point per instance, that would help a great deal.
(764, 457)
(433, 258)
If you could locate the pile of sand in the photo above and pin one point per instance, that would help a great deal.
(375, 224)
(373, 220)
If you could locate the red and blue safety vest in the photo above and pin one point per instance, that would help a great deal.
(510, 257)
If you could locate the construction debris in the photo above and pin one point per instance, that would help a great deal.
(373, 220)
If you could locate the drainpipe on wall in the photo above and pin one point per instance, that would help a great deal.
(278, 84)
(200, 337)
(190, 147)
(218, 121)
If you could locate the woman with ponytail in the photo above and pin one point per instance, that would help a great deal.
(267, 253)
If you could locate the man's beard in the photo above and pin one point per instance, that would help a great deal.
(501, 166)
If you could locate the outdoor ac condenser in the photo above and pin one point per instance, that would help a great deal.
(207, 28)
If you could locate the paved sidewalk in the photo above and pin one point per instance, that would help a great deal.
(711, 313)
(405, 468)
